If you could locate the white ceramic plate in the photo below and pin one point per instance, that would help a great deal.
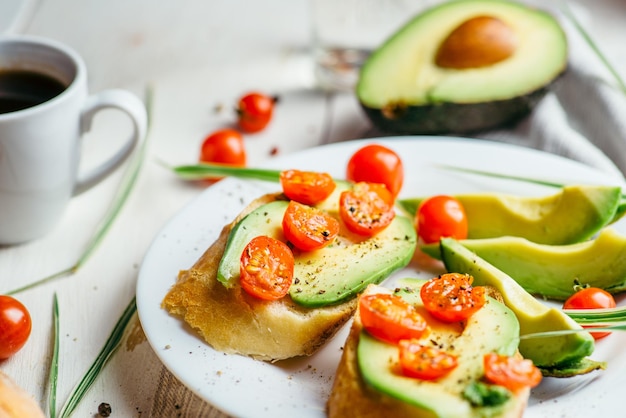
(247, 388)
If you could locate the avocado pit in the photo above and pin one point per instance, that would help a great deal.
(478, 42)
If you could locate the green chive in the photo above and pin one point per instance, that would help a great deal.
(206, 171)
(112, 344)
(54, 363)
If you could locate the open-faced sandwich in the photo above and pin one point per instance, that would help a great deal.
(437, 348)
(284, 275)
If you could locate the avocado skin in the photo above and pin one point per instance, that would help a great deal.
(575, 368)
(550, 352)
(455, 118)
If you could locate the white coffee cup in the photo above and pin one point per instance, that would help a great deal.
(40, 146)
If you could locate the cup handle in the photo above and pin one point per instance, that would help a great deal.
(127, 103)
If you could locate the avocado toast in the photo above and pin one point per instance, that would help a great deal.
(370, 383)
(210, 298)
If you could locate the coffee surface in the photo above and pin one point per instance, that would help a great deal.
(20, 89)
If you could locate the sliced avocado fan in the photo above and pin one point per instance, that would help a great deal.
(573, 214)
(556, 352)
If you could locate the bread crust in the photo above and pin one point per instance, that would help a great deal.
(352, 397)
(232, 321)
(15, 402)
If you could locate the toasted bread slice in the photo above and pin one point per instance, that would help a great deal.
(15, 402)
(352, 396)
(232, 321)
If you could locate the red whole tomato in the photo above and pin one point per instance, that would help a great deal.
(306, 187)
(591, 298)
(375, 163)
(15, 326)
(514, 373)
(225, 146)
(266, 269)
(451, 297)
(367, 209)
(308, 228)
(441, 216)
(420, 360)
(254, 111)
(390, 318)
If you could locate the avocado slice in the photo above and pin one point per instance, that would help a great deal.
(552, 270)
(534, 316)
(572, 214)
(492, 71)
(494, 328)
(332, 274)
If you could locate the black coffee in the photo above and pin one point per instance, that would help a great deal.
(20, 89)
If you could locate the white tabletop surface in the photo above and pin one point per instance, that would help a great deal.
(198, 56)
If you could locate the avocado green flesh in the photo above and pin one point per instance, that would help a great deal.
(493, 328)
(551, 270)
(334, 273)
(573, 214)
(402, 70)
(533, 316)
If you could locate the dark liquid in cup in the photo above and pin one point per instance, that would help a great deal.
(20, 89)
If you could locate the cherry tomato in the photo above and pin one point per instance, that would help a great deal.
(366, 209)
(306, 187)
(15, 326)
(254, 111)
(423, 361)
(225, 146)
(513, 373)
(591, 298)
(441, 216)
(308, 228)
(451, 297)
(375, 163)
(390, 318)
(266, 269)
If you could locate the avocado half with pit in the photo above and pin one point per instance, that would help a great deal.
(461, 67)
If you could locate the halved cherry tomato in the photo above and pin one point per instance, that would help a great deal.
(308, 228)
(451, 297)
(441, 216)
(367, 209)
(376, 163)
(390, 318)
(266, 269)
(423, 361)
(591, 298)
(225, 146)
(513, 373)
(308, 187)
(254, 111)
(15, 326)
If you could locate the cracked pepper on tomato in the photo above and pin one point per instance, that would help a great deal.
(366, 209)
(449, 298)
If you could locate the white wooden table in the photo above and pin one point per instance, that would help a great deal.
(198, 56)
